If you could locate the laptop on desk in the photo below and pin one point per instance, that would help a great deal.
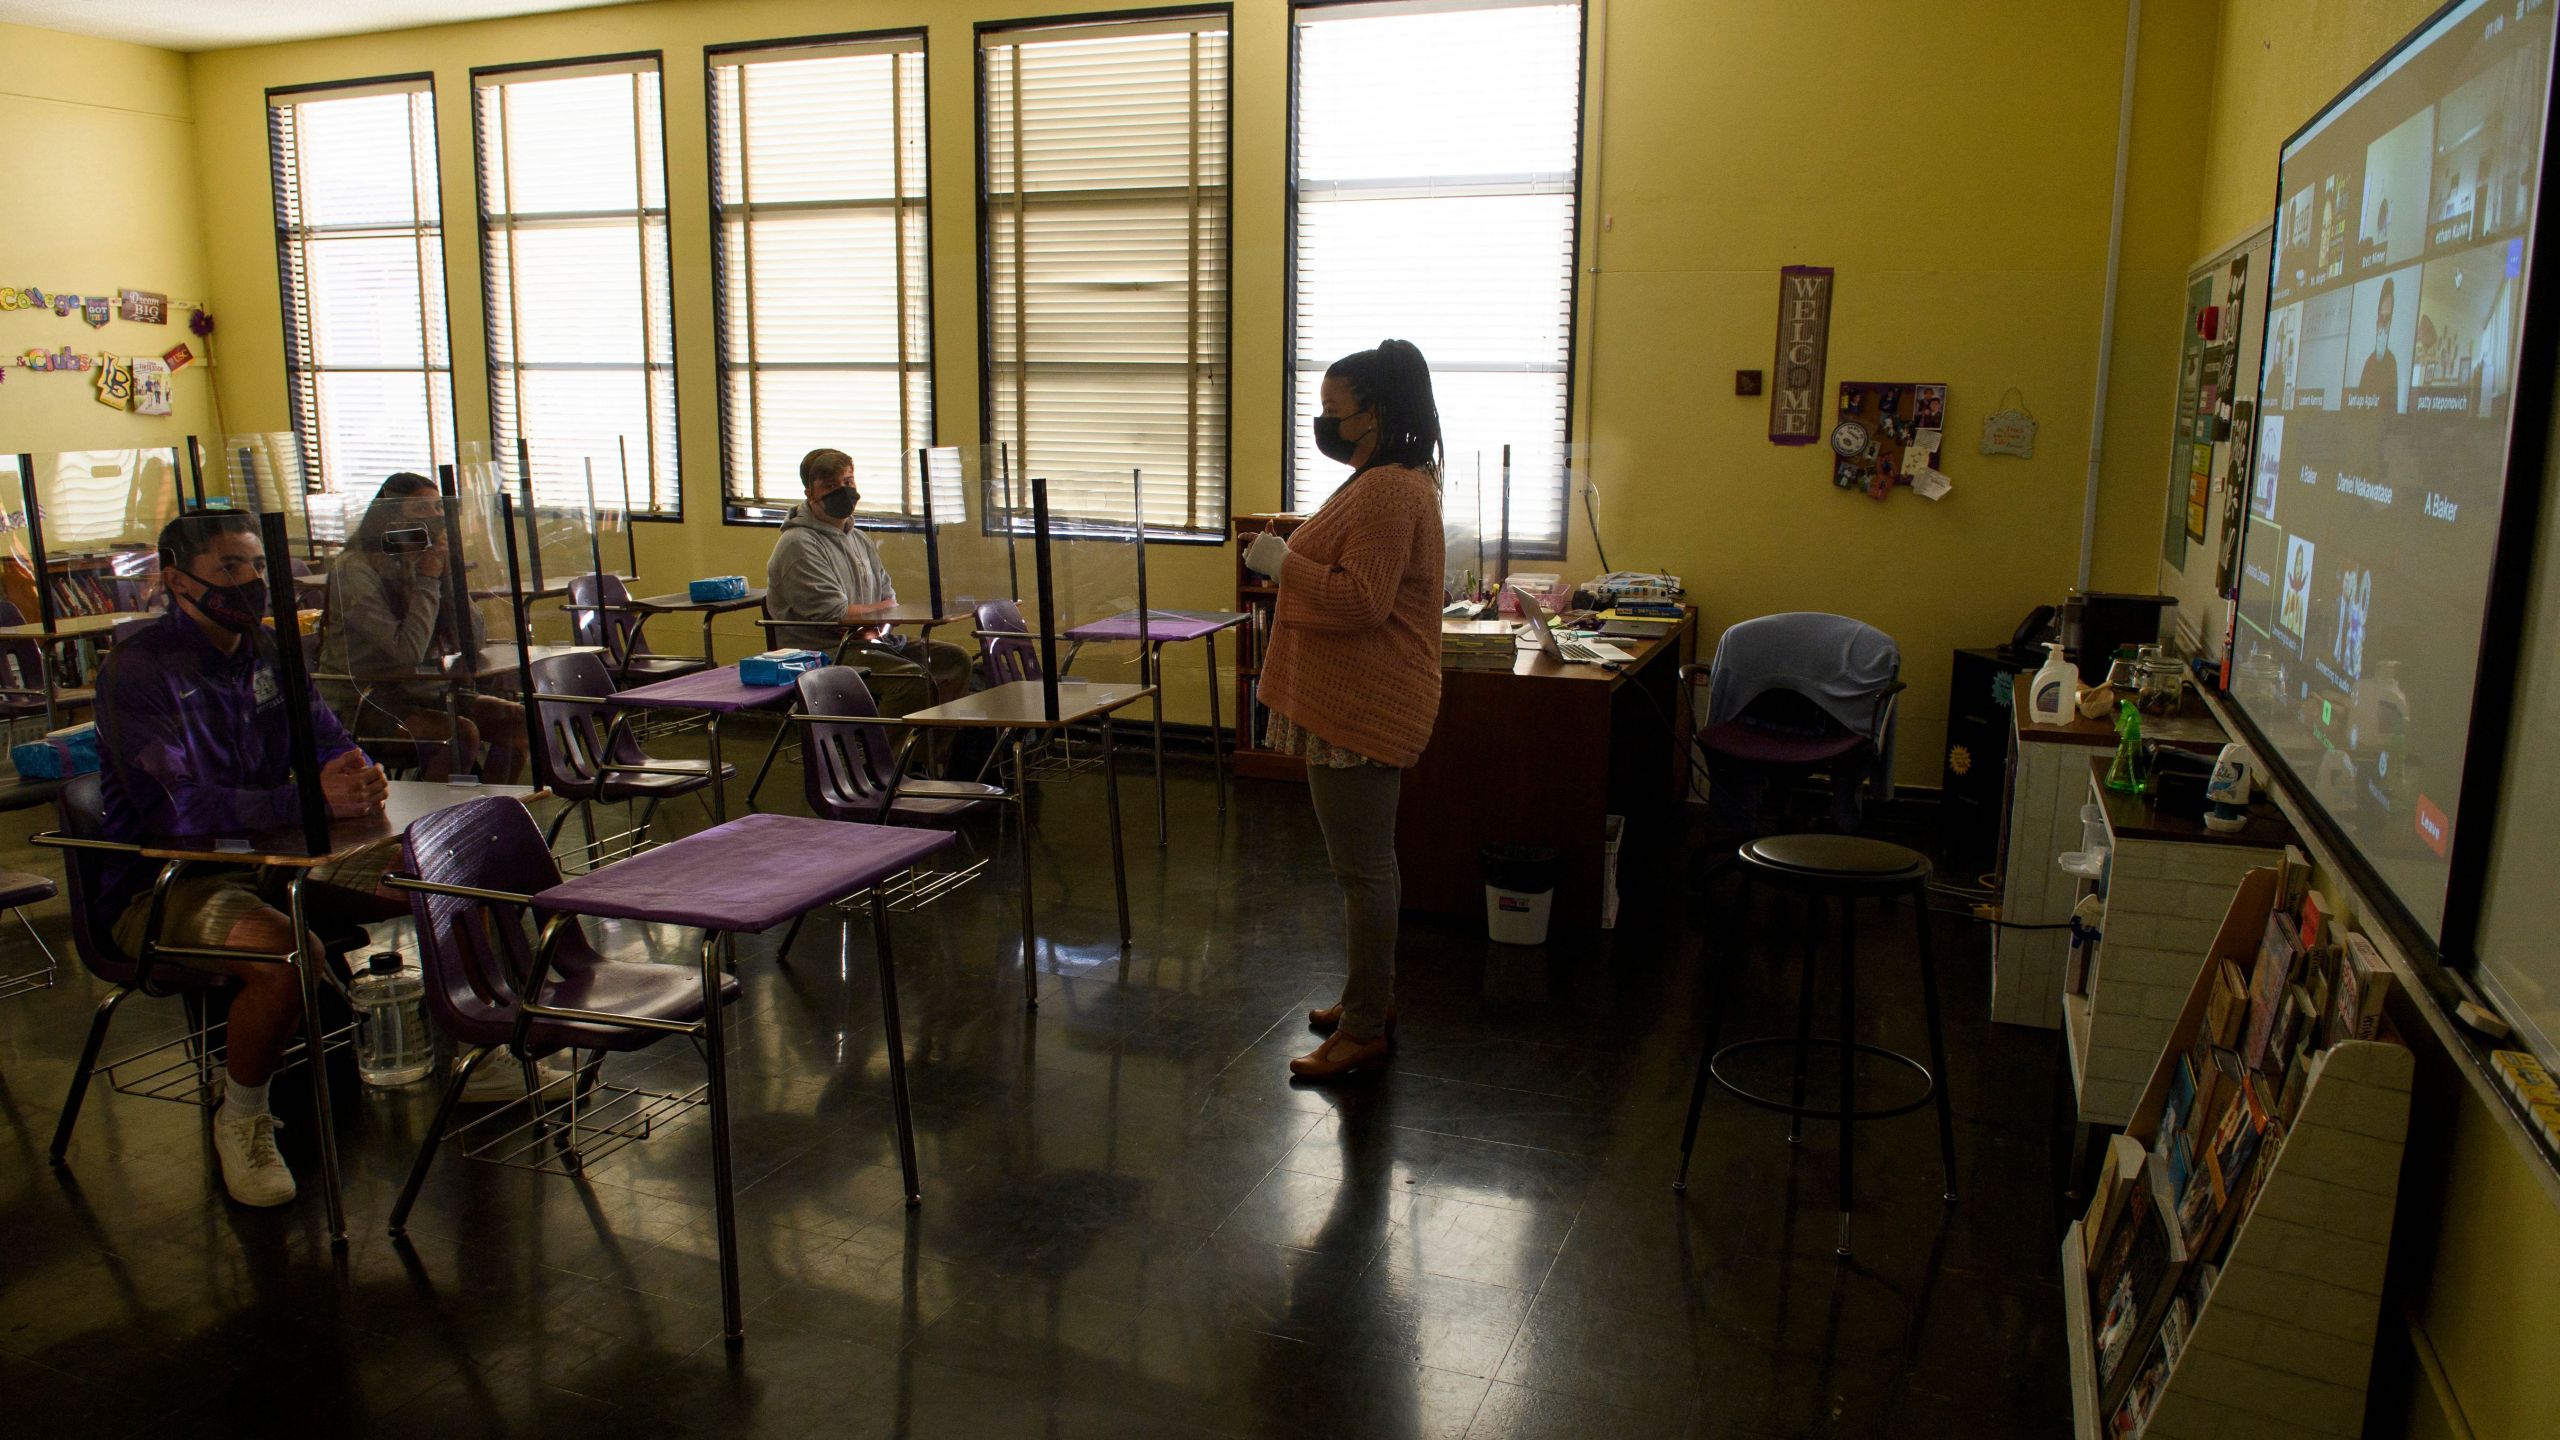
(1564, 650)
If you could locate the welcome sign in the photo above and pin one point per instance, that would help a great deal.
(1804, 339)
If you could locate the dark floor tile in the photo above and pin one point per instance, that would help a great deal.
(1132, 1224)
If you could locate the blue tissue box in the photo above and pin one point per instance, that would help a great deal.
(719, 587)
(58, 755)
(777, 667)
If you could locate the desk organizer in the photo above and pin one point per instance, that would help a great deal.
(718, 587)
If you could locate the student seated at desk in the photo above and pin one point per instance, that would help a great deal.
(827, 572)
(192, 733)
(390, 614)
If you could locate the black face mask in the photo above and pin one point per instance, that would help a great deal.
(238, 608)
(838, 503)
(1330, 442)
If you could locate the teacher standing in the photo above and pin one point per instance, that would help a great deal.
(1352, 676)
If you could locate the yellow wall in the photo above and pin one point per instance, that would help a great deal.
(1991, 109)
(2492, 1285)
(101, 139)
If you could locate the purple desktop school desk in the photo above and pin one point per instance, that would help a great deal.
(749, 875)
(718, 694)
(1168, 627)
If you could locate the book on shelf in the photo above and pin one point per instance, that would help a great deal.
(2362, 987)
(2117, 1171)
(2139, 1274)
(2278, 956)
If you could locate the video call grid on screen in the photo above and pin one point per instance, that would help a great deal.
(2403, 222)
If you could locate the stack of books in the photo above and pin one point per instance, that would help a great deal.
(1476, 645)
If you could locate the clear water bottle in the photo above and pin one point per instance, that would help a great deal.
(392, 1043)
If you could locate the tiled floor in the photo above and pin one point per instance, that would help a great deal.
(1133, 1225)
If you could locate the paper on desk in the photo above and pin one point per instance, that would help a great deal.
(1928, 484)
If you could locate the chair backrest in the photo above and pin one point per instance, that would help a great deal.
(474, 950)
(1007, 659)
(1831, 669)
(845, 768)
(572, 752)
(591, 624)
(21, 662)
(82, 811)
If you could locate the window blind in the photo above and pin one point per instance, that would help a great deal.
(573, 231)
(1437, 159)
(1104, 185)
(820, 268)
(360, 268)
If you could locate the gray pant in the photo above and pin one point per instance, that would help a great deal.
(1356, 809)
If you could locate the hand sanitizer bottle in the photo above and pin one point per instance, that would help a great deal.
(2056, 690)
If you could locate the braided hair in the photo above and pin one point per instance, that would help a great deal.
(1394, 383)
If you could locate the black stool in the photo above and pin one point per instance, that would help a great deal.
(1823, 868)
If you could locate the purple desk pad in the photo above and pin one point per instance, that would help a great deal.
(1164, 627)
(704, 690)
(752, 873)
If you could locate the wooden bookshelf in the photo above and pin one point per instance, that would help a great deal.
(1255, 597)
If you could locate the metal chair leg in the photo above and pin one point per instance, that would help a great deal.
(1111, 803)
(1813, 919)
(1022, 844)
(1937, 1051)
(80, 1076)
(897, 1047)
(587, 818)
(1848, 1059)
(435, 1138)
(1716, 981)
(782, 956)
(52, 967)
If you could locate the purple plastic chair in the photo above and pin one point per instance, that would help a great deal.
(82, 811)
(848, 767)
(588, 754)
(1006, 644)
(600, 614)
(471, 872)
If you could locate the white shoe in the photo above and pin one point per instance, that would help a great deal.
(251, 1169)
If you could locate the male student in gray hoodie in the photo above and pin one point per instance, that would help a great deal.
(825, 571)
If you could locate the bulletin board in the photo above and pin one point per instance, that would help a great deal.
(2220, 343)
(1887, 433)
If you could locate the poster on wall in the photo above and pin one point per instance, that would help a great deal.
(2191, 357)
(1804, 342)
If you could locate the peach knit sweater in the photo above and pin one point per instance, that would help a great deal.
(1355, 636)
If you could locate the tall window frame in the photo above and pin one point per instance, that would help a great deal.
(530, 185)
(360, 281)
(1042, 368)
(1495, 314)
(798, 346)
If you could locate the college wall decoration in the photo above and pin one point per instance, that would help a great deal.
(138, 383)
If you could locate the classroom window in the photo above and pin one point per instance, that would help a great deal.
(573, 234)
(820, 270)
(360, 269)
(1103, 180)
(1436, 161)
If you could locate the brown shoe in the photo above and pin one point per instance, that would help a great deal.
(1339, 1056)
(1329, 1019)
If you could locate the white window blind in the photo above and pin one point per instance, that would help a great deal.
(573, 225)
(820, 268)
(1104, 182)
(360, 268)
(1438, 155)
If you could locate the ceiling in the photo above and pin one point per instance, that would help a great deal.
(221, 24)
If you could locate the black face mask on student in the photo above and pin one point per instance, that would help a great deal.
(238, 608)
(1330, 442)
(838, 503)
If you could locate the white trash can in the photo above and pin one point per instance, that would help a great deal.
(1519, 892)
